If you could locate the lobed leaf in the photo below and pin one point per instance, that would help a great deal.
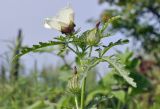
(111, 44)
(36, 47)
(114, 63)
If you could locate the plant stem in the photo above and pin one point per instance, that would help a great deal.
(119, 105)
(71, 49)
(90, 51)
(76, 101)
(77, 48)
(84, 84)
(83, 92)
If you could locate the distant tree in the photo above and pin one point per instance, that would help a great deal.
(140, 20)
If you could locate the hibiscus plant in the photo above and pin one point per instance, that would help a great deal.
(88, 48)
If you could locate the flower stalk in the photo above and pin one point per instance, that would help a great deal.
(83, 92)
(76, 102)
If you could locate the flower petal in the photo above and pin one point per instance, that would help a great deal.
(63, 21)
(66, 15)
(52, 23)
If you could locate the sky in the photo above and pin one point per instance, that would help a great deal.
(29, 16)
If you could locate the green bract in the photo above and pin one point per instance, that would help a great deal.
(74, 84)
(93, 37)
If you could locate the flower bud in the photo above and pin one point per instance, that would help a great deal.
(93, 37)
(74, 83)
(105, 16)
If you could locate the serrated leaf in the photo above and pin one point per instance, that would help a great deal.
(119, 42)
(36, 47)
(107, 35)
(114, 63)
(120, 95)
(46, 50)
(60, 38)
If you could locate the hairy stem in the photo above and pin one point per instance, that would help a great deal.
(83, 92)
(90, 51)
(76, 101)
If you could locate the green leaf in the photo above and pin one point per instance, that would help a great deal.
(111, 44)
(36, 47)
(90, 62)
(108, 81)
(143, 84)
(115, 64)
(106, 35)
(91, 96)
(120, 95)
(41, 105)
(125, 57)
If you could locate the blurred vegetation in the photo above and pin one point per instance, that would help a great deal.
(140, 20)
(15, 67)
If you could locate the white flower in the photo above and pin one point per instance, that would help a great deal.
(63, 21)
